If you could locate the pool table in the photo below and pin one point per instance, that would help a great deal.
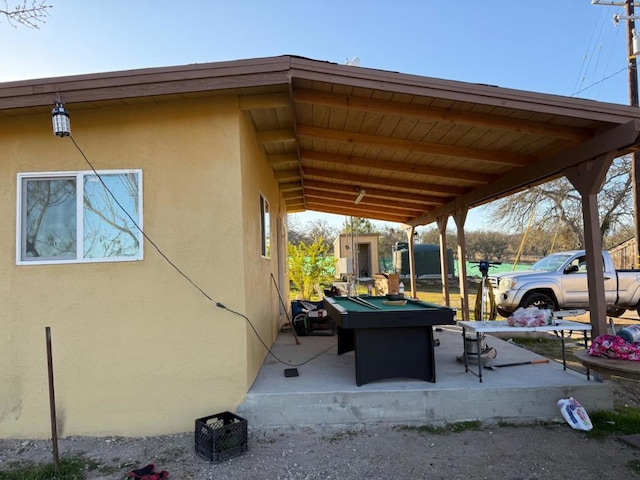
(388, 340)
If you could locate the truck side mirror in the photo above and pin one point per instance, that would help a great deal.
(571, 269)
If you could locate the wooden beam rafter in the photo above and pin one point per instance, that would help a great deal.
(468, 153)
(464, 175)
(291, 194)
(357, 212)
(289, 186)
(369, 207)
(272, 136)
(397, 204)
(282, 158)
(377, 182)
(450, 116)
(386, 195)
(290, 174)
(615, 141)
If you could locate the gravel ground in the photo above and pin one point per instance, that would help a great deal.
(356, 452)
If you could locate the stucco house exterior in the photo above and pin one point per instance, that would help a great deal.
(136, 348)
(178, 180)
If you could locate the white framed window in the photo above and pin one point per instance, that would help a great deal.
(77, 217)
(265, 227)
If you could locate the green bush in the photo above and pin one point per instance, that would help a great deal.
(310, 266)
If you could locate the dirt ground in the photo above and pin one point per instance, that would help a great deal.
(359, 452)
(515, 452)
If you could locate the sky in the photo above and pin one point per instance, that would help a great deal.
(563, 47)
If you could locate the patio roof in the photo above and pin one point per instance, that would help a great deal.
(419, 148)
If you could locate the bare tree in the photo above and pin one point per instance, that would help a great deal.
(557, 205)
(309, 232)
(488, 245)
(29, 13)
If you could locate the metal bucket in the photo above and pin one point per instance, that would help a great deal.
(475, 347)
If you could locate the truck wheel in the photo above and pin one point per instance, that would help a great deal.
(615, 312)
(503, 313)
(537, 299)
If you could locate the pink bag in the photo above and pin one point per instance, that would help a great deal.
(613, 346)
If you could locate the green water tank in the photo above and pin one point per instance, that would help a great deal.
(427, 259)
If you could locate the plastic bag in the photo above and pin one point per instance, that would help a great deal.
(613, 346)
(575, 414)
(529, 317)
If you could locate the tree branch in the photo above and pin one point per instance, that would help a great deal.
(28, 13)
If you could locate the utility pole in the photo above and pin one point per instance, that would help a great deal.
(633, 101)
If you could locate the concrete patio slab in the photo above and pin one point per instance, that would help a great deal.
(325, 392)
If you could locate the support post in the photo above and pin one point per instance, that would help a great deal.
(587, 178)
(412, 263)
(460, 216)
(444, 273)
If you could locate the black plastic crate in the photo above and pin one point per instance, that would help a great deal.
(221, 436)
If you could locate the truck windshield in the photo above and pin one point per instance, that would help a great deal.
(550, 263)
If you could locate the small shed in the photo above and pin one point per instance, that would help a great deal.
(427, 258)
(357, 254)
(624, 254)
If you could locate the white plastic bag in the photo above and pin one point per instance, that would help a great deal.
(530, 317)
(575, 414)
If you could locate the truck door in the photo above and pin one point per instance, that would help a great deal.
(575, 285)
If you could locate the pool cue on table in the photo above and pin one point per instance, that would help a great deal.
(364, 303)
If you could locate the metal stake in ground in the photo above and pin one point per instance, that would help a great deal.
(52, 404)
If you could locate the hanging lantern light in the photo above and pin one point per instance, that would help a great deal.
(60, 119)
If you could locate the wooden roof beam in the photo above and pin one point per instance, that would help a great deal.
(425, 112)
(375, 192)
(295, 207)
(357, 212)
(467, 153)
(618, 140)
(465, 175)
(282, 158)
(369, 207)
(365, 180)
(289, 186)
(273, 136)
(311, 192)
(287, 174)
(292, 194)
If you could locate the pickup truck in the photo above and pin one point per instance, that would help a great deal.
(559, 281)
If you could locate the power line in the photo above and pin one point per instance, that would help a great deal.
(600, 81)
(182, 273)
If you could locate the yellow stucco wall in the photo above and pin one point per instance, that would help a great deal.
(262, 305)
(137, 350)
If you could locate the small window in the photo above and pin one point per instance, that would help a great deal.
(72, 217)
(265, 227)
